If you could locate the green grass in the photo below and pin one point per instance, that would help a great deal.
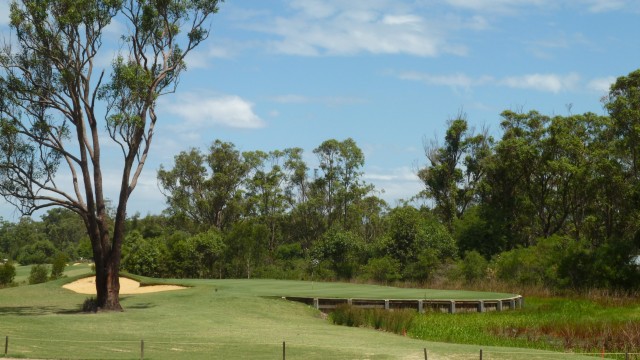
(554, 324)
(213, 319)
(22, 272)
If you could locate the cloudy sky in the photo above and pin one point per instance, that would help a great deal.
(387, 73)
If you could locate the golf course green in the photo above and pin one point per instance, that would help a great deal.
(215, 319)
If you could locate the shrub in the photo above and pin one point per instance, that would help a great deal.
(59, 263)
(39, 274)
(7, 273)
(90, 305)
(473, 266)
(384, 269)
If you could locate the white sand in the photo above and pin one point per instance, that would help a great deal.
(127, 287)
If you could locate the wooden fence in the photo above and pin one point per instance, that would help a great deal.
(421, 305)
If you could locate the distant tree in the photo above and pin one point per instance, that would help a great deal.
(39, 274)
(341, 183)
(39, 252)
(411, 232)
(205, 188)
(198, 256)
(455, 170)
(52, 93)
(143, 256)
(7, 273)
(58, 265)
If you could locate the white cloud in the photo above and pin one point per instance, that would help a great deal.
(396, 183)
(291, 99)
(314, 8)
(599, 6)
(494, 6)
(543, 82)
(326, 100)
(329, 27)
(601, 85)
(200, 111)
(458, 80)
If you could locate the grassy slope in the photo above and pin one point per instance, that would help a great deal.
(212, 320)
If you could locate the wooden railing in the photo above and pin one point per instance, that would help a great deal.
(421, 305)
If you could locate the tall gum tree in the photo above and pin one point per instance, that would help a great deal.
(56, 101)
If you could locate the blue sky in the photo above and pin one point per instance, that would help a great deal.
(387, 73)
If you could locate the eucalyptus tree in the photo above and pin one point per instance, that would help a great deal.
(269, 186)
(56, 101)
(206, 188)
(455, 169)
(340, 185)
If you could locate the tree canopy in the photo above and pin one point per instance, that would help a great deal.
(56, 101)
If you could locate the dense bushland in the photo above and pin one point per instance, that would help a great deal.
(554, 203)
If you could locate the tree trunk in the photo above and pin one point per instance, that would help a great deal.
(108, 284)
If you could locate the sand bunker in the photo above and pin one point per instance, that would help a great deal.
(127, 287)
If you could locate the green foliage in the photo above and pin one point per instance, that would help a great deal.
(198, 256)
(474, 267)
(384, 270)
(90, 305)
(7, 273)
(39, 252)
(39, 274)
(144, 257)
(205, 187)
(411, 232)
(397, 321)
(425, 267)
(58, 265)
(342, 250)
(247, 247)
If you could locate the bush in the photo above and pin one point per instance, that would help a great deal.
(7, 273)
(383, 270)
(59, 263)
(39, 274)
(90, 305)
(473, 266)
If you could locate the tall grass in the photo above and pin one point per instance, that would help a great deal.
(559, 324)
(398, 321)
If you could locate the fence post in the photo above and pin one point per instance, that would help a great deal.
(426, 357)
(316, 303)
(6, 345)
(452, 307)
(141, 349)
(420, 306)
(284, 351)
(480, 354)
(386, 304)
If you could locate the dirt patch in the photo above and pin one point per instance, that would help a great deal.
(127, 287)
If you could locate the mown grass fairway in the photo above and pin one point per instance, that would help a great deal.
(214, 319)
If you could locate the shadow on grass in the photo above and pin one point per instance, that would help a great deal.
(50, 310)
(36, 310)
(140, 306)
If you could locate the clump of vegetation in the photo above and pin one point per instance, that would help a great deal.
(575, 325)
(396, 321)
(39, 274)
(7, 274)
(58, 265)
(90, 305)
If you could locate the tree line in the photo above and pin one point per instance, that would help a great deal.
(554, 201)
